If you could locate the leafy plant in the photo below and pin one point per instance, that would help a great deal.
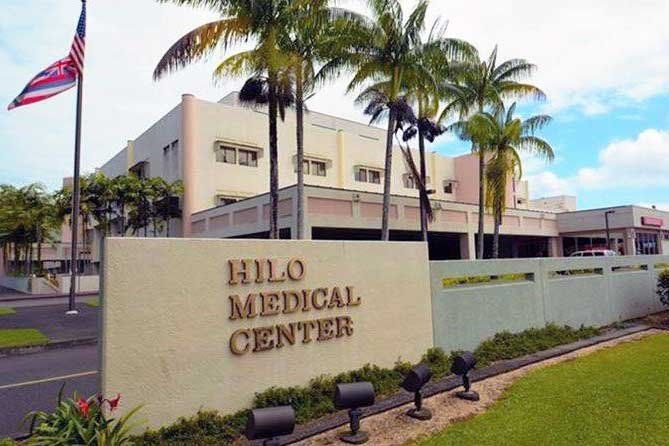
(79, 421)
(663, 286)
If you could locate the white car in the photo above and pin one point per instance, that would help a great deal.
(594, 253)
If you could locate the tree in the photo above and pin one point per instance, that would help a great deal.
(504, 136)
(437, 54)
(261, 21)
(318, 30)
(385, 52)
(483, 84)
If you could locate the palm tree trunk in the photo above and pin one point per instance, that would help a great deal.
(299, 130)
(273, 159)
(495, 238)
(423, 179)
(481, 240)
(385, 229)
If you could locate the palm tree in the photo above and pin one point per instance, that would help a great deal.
(318, 32)
(437, 53)
(483, 84)
(262, 21)
(386, 53)
(504, 136)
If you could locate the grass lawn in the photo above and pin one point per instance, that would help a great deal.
(615, 396)
(22, 337)
(6, 310)
(93, 302)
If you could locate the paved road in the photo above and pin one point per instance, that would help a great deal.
(52, 321)
(32, 382)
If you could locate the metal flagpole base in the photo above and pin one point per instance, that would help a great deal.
(72, 313)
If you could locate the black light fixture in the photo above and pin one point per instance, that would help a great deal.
(353, 396)
(270, 423)
(414, 382)
(462, 364)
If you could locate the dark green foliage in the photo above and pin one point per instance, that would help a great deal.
(315, 399)
(506, 345)
(204, 428)
(663, 286)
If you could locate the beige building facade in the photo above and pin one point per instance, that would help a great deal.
(220, 151)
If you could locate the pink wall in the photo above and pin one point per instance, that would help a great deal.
(467, 176)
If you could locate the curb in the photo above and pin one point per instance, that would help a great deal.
(28, 297)
(449, 383)
(54, 345)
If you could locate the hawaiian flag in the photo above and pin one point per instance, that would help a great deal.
(60, 75)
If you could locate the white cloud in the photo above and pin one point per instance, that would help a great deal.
(548, 184)
(640, 162)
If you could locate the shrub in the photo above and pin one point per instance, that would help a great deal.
(206, 428)
(7, 442)
(81, 421)
(663, 286)
(506, 345)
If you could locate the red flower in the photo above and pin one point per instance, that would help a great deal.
(84, 407)
(113, 404)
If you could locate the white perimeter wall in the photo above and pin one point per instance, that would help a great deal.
(623, 288)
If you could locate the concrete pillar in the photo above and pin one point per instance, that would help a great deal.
(468, 246)
(130, 154)
(555, 247)
(630, 242)
(341, 160)
(189, 156)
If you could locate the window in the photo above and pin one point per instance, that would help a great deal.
(248, 158)
(448, 187)
(365, 175)
(410, 182)
(222, 200)
(318, 168)
(226, 154)
(171, 161)
(647, 243)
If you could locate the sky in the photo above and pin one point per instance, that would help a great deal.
(604, 65)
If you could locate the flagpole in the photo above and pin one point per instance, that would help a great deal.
(76, 192)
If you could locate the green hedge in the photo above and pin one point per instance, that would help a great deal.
(315, 399)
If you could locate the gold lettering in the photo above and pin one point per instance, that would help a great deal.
(240, 268)
(270, 304)
(292, 264)
(291, 302)
(326, 329)
(234, 346)
(260, 270)
(286, 332)
(335, 299)
(352, 301)
(344, 326)
(263, 339)
(306, 301)
(239, 311)
(323, 292)
(306, 327)
(274, 275)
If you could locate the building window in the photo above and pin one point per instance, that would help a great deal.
(647, 243)
(410, 182)
(226, 154)
(248, 158)
(314, 167)
(365, 175)
(223, 200)
(448, 187)
(171, 161)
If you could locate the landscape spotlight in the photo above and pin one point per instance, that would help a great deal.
(353, 396)
(462, 364)
(414, 382)
(270, 423)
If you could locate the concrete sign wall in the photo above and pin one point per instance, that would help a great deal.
(204, 324)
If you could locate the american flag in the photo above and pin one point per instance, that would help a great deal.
(79, 43)
(60, 75)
